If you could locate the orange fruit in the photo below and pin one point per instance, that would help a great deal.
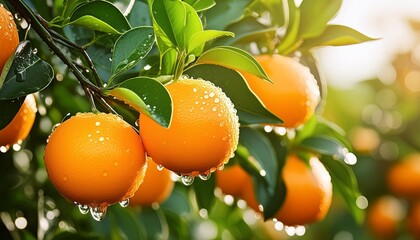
(95, 159)
(404, 177)
(309, 192)
(203, 133)
(9, 37)
(384, 216)
(20, 126)
(413, 220)
(156, 187)
(293, 93)
(231, 180)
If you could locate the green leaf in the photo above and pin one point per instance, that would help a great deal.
(9, 109)
(261, 149)
(168, 61)
(204, 193)
(315, 14)
(233, 58)
(201, 5)
(248, 30)
(147, 96)
(250, 110)
(326, 146)
(224, 13)
(270, 154)
(131, 47)
(140, 15)
(328, 128)
(27, 74)
(274, 7)
(291, 37)
(345, 182)
(200, 38)
(100, 16)
(336, 35)
(177, 20)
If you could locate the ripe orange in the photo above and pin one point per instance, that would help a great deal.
(156, 187)
(95, 159)
(18, 129)
(309, 192)
(231, 180)
(384, 216)
(404, 177)
(203, 133)
(9, 37)
(293, 93)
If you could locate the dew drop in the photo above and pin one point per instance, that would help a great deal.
(216, 100)
(101, 139)
(194, 89)
(159, 167)
(124, 203)
(205, 176)
(98, 213)
(35, 51)
(137, 122)
(84, 209)
(97, 124)
(214, 109)
(187, 180)
(212, 94)
(221, 124)
(206, 96)
(221, 167)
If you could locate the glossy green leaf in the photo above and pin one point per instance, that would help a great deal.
(140, 15)
(224, 13)
(27, 74)
(328, 128)
(315, 14)
(250, 109)
(269, 187)
(200, 38)
(336, 35)
(100, 16)
(147, 96)
(326, 146)
(177, 20)
(131, 47)
(233, 58)
(345, 182)
(201, 5)
(9, 108)
(168, 61)
(261, 149)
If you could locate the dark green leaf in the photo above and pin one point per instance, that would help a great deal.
(224, 13)
(75, 235)
(315, 14)
(250, 110)
(100, 16)
(345, 182)
(147, 96)
(9, 108)
(336, 35)
(261, 149)
(140, 15)
(131, 47)
(328, 128)
(325, 145)
(233, 58)
(201, 5)
(27, 74)
(204, 193)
